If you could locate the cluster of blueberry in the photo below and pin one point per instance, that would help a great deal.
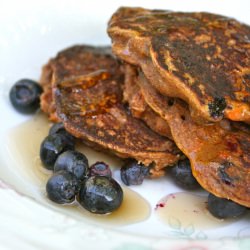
(93, 187)
(73, 179)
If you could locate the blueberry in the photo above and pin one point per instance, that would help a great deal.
(25, 96)
(183, 176)
(62, 187)
(133, 173)
(224, 208)
(100, 194)
(58, 128)
(73, 162)
(52, 146)
(217, 106)
(100, 168)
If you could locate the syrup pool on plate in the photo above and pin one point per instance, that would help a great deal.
(187, 210)
(24, 142)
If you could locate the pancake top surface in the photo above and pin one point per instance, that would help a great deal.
(87, 89)
(205, 57)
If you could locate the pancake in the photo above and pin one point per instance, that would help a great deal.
(218, 153)
(86, 86)
(201, 58)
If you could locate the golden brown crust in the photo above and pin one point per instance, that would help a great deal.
(46, 100)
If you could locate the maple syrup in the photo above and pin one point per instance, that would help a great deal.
(24, 142)
(95, 102)
(133, 209)
(184, 209)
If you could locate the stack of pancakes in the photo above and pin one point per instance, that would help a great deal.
(178, 87)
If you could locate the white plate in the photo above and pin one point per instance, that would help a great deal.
(30, 33)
